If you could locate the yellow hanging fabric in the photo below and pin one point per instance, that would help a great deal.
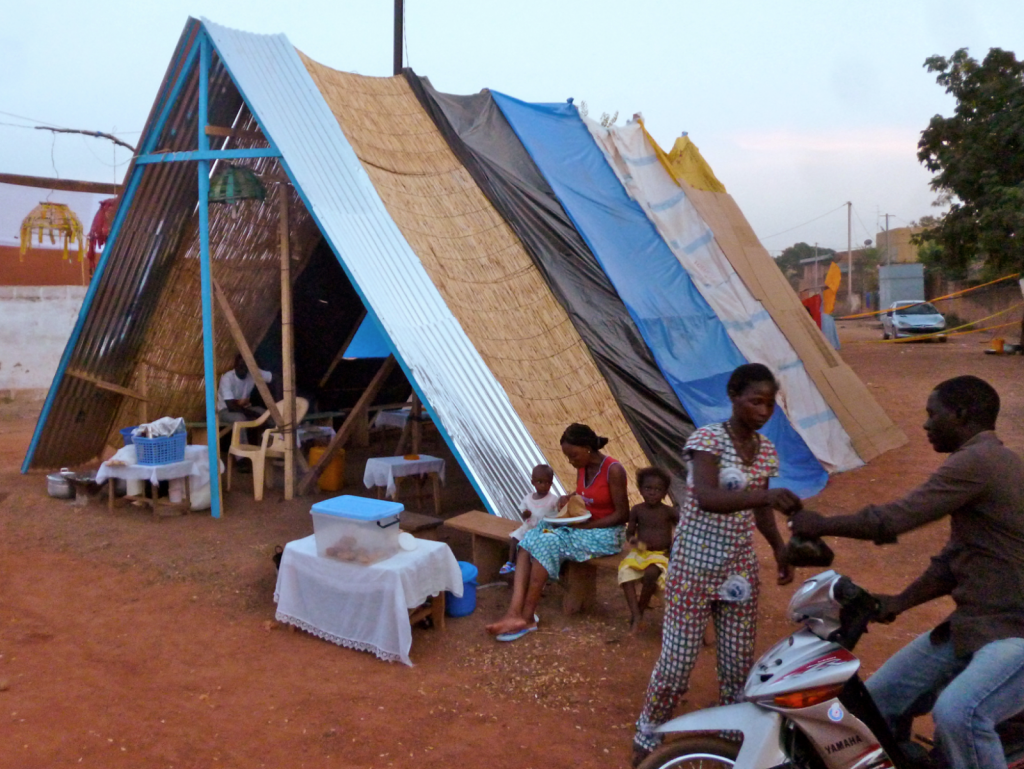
(686, 163)
(832, 280)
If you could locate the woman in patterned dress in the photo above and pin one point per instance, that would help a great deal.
(713, 568)
(601, 482)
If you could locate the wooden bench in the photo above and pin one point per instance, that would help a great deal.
(490, 535)
(419, 525)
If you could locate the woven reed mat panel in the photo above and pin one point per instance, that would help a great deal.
(481, 269)
(245, 249)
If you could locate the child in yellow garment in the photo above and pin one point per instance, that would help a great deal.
(649, 531)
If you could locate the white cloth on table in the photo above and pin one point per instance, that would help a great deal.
(396, 418)
(233, 388)
(195, 467)
(307, 432)
(362, 607)
(161, 428)
(545, 507)
(382, 471)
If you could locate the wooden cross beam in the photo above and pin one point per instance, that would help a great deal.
(349, 424)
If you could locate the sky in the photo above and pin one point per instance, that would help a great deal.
(798, 105)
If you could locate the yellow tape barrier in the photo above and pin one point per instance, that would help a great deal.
(936, 299)
(949, 332)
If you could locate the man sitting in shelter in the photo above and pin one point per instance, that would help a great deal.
(233, 395)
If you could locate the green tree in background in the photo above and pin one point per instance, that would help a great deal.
(977, 156)
(789, 260)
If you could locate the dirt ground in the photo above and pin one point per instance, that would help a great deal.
(132, 642)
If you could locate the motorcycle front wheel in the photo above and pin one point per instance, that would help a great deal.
(693, 753)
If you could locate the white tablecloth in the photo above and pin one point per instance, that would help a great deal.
(362, 607)
(196, 466)
(396, 418)
(382, 471)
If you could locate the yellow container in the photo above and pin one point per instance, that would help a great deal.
(997, 345)
(333, 476)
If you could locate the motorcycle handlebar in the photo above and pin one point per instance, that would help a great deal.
(857, 608)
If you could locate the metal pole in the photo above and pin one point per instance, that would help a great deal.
(849, 255)
(399, 13)
(209, 366)
(287, 349)
(888, 251)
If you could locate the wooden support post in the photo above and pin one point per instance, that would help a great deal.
(349, 424)
(287, 350)
(105, 385)
(414, 416)
(341, 350)
(246, 353)
(144, 392)
(361, 431)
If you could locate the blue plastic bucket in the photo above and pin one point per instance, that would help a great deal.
(126, 435)
(460, 607)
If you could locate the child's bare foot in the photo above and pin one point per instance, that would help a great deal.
(636, 624)
(510, 624)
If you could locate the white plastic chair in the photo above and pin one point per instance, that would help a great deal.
(272, 445)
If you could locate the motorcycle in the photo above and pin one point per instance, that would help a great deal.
(805, 706)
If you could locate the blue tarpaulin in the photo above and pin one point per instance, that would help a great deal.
(689, 342)
(368, 342)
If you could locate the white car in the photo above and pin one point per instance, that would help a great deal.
(908, 318)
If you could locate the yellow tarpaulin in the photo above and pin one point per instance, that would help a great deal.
(686, 163)
(828, 296)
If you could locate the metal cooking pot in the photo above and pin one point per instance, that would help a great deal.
(58, 487)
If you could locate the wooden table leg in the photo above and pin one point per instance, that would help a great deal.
(154, 489)
(437, 610)
(188, 496)
(110, 495)
(435, 479)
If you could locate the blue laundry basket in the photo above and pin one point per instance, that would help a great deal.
(460, 607)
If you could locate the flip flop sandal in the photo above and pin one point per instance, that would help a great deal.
(508, 637)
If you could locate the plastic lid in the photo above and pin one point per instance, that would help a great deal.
(358, 508)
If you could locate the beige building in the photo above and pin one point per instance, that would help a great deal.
(894, 246)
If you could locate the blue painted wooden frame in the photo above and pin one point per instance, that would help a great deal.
(207, 154)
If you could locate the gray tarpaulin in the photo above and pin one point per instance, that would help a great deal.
(479, 135)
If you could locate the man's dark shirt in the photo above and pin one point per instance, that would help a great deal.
(981, 487)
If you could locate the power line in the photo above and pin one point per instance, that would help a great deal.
(769, 237)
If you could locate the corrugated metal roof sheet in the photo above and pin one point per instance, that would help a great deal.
(465, 399)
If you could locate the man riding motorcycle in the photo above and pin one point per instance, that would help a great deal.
(970, 669)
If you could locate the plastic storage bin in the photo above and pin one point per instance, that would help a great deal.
(160, 451)
(356, 529)
(333, 476)
(460, 607)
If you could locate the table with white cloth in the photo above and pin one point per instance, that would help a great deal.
(385, 471)
(363, 607)
(183, 477)
(396, 418)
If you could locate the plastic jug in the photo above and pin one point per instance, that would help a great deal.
(333, 476)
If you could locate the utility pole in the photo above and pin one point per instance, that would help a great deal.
(888, 251)
(817, 268)
(399, 14)
(849, 255)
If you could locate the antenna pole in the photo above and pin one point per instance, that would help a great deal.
(399, 13)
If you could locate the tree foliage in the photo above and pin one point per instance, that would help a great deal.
(789, 260)
(977, 156)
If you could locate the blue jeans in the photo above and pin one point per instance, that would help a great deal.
(970, 696)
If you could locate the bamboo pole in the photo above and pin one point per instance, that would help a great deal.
(350, 421)
(144, 392)
(287, 349)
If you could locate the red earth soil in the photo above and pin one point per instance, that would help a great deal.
(129, 641)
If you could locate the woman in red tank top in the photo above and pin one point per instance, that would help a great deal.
(601, 483)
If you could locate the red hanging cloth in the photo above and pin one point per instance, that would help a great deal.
(813, 305)
(100, 229)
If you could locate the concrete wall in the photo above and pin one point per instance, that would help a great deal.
(984, 302)
(35, 324)
(897, 282)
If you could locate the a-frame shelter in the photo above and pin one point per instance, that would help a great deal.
(237, 97)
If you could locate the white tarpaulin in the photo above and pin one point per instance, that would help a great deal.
(748, 324)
